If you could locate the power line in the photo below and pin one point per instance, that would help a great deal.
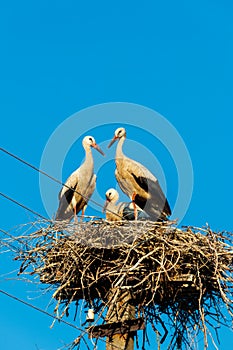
(48, 314)
(14, 238)
(28, 164)
(41, 216)
(49, 176)
(40, 310)
(9, 245)
(23, 206)
(54, 179)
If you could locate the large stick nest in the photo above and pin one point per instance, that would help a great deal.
(185, 274)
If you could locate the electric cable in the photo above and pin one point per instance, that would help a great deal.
(38, 309)
(54, 179)
(23, 206)
(83, 332)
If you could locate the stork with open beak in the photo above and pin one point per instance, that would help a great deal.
(80, 185)
(120, 211)
(139, 183)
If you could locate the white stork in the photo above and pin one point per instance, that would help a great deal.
(120, 211)
(139, 183)
(80, 185)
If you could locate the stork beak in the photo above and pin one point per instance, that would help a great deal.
(105, 205)
(98, 149)
(112, 142)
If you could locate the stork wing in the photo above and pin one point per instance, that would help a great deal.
(155, 191)
(64, 212)
(149, 183)
(71, 183)
(65, 197)
(141, 181)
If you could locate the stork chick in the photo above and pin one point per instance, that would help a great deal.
(122, 210)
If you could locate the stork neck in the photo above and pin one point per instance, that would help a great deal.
(119, 151)
(114, 200)
(88, 158)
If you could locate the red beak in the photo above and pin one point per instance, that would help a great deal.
(98, 149)
(105, 204)
(112, 142)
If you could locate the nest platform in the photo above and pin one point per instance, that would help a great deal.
(183, 273)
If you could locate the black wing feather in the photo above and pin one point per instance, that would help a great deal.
(64, 202)
(157, 202)
(141, 181)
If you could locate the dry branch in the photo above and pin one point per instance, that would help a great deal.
(184, 275)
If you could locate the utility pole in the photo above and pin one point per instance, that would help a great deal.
(120, 313)
(121, 324)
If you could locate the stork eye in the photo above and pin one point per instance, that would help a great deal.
(90, 139)
(110, 193)
(120, 132)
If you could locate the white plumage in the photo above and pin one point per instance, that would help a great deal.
(139, 183)
(120, 211)
(80, 185)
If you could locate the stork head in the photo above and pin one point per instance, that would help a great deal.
(89, 142)
(119, 133)
(112, 195)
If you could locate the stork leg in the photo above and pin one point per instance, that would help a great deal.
(75, 215)
(83, 211)
(134, 206)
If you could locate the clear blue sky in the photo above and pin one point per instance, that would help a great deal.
(58, 58)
